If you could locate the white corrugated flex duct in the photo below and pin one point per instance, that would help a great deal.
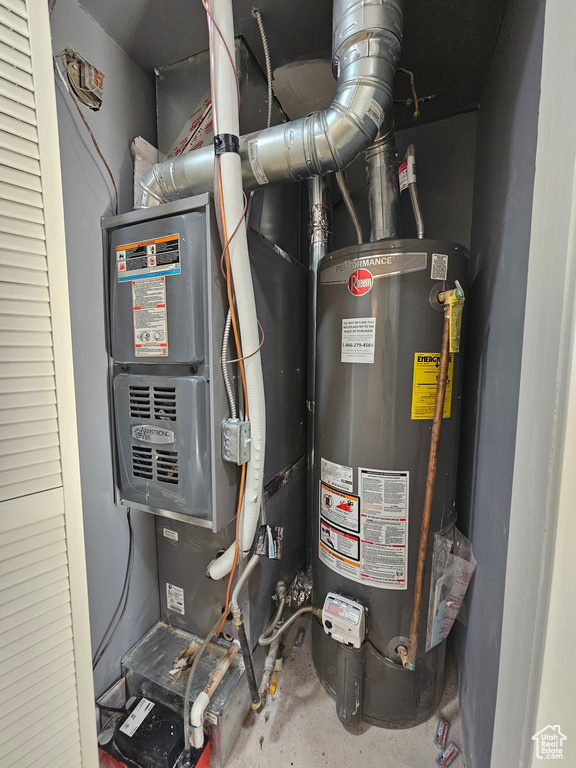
(226, 113)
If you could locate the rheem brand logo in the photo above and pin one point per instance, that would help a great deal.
(360, 282)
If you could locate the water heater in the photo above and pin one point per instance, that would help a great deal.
(379, 331)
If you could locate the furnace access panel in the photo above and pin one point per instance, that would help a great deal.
(167, 311)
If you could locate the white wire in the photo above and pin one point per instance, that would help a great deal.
(57, 68)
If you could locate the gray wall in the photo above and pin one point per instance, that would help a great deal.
(503, 190)
(128, 110)
(445, 164)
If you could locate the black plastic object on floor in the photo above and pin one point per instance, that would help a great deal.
(149, 736)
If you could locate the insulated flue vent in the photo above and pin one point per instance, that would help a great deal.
(139, 402)
(167, 467)
(142, 461)
(165, 403)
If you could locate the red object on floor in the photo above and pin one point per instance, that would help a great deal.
(107, 761)
(205, 758)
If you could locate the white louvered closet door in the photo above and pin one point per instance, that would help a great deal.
(46, 696)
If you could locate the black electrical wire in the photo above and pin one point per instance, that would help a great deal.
(106, 708)
(118, 614)
(251, 677)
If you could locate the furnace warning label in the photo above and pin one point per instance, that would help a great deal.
(383, 527)
(150, 258)
(425, 383)
(149, 318)
(175, 598)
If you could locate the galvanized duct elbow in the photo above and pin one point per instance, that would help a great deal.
(366, 44)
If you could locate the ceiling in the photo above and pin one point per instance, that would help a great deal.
(447, 43)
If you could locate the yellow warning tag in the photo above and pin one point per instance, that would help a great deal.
(425, 383)
(456, 309)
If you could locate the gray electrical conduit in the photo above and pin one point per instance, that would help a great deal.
(366, 45)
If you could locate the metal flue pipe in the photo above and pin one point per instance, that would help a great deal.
(383, 187)
(366, 45)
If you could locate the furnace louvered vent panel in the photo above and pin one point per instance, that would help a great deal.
(165, 403)
(140, 402)
(142, 461)
(167, 467)
(162, 442)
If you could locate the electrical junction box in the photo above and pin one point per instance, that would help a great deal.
(344, 620)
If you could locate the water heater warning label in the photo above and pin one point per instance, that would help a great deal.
(339, 541)
(150, 258)
(149, 318)
(365, 537)
(384, 527)
(339, 508)
(337, 475)
(425, 383)
(358, 339)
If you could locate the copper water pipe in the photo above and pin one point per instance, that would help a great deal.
(430, 485)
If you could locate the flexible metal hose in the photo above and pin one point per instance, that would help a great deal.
(345, 192)
(268, 640)
(224, 364)
(258, 16)
(411, 153)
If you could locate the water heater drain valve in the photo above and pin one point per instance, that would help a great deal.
(344, 620)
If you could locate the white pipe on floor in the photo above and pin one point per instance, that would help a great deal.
(203, 698)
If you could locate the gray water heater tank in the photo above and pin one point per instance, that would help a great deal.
(379, 331)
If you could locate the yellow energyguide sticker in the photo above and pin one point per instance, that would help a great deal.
(425, 382)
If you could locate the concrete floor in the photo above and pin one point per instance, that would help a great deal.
(299, 727)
